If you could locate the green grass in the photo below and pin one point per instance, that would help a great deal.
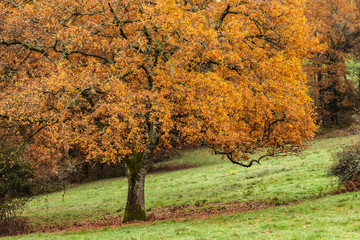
(331, 217)
(281, 180)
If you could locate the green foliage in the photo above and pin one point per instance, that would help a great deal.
(353, 67)
(15, 190)
(16, 187)
(15, 178)
(347, 166)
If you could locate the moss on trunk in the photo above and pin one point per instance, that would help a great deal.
(135, 206)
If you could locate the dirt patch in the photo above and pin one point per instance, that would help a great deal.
(206, 210)
(171, 167)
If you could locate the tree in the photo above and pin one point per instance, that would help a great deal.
(126, 79)
(337, 24)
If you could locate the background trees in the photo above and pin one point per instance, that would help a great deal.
(122, 80)
(337, 25)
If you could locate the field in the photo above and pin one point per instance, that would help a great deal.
(284, 198)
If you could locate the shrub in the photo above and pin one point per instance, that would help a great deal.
(16, 184)
(346, 167)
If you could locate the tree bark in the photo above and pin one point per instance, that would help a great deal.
(135, 206)
(136, 168)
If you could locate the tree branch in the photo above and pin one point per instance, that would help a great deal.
(222, 17)
(15, 4)
(148, 75)
(28, 46)
(229, 156)
(26, 140)
(106, 59)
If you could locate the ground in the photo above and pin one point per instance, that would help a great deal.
(290, 197)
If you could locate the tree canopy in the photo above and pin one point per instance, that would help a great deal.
(124, 79)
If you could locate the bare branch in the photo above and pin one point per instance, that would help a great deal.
(229, 156)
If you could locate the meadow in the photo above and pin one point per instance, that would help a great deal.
(294, 194)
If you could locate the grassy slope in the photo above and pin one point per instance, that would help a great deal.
(331, 217)
(280, 179)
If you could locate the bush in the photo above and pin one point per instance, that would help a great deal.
(347, 167)
(15, 190)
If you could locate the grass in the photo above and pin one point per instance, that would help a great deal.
(331, 217)
(280, 180)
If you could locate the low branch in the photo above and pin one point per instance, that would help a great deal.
(229, 155)
(250, 163)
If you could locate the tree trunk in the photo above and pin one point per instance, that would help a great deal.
(135, 206)
(136, 169)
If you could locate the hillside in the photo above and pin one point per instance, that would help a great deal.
(281, 195)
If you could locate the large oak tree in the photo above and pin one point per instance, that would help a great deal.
(123, 80)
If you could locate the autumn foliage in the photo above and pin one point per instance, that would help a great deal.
(337, 23)
(122, 80)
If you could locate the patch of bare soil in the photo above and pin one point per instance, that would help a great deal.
(206, 210)
(171, 167)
